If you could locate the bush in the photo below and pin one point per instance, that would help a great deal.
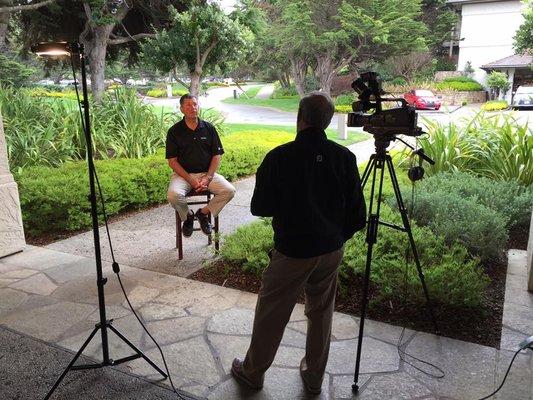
(126, 183)
(343, 109)
(345, 99)
(284, 93)
(248, 246)
(398, 81)
(458, 220)
(452, 277)
(45, 131)
(459, 83)
(14, 73)
(496, 146)
(162, 92)
(47, 205)
(495, 105)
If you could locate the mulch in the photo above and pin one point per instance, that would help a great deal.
(481, 325)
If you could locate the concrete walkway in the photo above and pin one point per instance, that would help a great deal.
(51, 296)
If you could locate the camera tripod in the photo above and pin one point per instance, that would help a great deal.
(380, 160)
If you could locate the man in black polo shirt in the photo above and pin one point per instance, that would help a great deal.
(193, 151)
(311, 188)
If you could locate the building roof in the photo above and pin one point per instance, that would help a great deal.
(514, 61)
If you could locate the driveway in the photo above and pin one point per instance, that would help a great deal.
(244, 114)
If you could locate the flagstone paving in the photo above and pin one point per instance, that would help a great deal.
(202, 327)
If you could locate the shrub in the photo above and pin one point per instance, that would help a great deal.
(14, 73)
(398, 81)
(452, 277)
(126, 183)
(495, 105)
(498, 82)
(508, 198)
(496, 146)
(162, 92)
(459, 83)
(343, 109)
(248, 246)
(284, 93)
(345, 99)
(458, 220)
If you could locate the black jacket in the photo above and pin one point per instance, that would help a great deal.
(311, 188)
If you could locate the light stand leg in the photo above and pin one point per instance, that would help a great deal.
(51, 391)
(407, 228)
(371, 237)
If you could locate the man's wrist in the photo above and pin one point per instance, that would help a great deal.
(210, 177)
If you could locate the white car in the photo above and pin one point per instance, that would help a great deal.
(523, 97)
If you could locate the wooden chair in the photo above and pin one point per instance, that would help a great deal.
(179, 233)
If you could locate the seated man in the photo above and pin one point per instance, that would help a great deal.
(193, 151)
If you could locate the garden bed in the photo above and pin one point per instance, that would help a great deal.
(481, 325)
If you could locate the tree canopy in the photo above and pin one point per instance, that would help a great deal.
(198, 40)
(523, 40)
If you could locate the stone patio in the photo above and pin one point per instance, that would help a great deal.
(51, 295)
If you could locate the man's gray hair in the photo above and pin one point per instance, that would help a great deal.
(316, 109)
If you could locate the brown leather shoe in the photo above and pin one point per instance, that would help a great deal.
(308, 388)
(238, 373)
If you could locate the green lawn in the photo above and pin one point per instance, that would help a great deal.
(353, 137)
(252, 92)
(290, 105)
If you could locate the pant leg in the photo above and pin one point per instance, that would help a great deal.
(223, 192)
(283, 281)
(320, 292)
(177, 189)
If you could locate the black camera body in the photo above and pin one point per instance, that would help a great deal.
(387, 123)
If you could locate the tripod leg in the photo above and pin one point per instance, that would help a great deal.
(371, 237)
(51, 391)
(139, 352)
(407, 228)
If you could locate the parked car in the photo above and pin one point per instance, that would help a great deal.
(422, 99)
(523, 97)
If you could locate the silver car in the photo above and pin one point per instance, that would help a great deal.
(523, 97)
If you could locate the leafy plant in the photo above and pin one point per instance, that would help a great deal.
(498, 82)
(460, 83)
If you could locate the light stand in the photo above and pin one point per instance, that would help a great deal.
(380, 160)
(76, 49)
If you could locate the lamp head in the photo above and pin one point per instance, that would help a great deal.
(57, 49)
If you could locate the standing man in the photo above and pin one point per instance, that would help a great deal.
(193, 151)
(311, 188)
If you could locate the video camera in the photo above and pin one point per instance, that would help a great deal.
(385, 123)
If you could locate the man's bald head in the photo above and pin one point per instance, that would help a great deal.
(315, 110)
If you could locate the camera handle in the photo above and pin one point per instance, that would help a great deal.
(379, 161)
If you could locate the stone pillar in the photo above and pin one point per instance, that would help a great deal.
(341, 126)
(529, 264)
(11, 231)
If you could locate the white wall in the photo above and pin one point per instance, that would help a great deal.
(488, 30)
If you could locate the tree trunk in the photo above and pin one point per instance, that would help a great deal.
(284, 79)
(299, 73)
(194, 87)
(324, 72)
(96, 50)
(4, 22)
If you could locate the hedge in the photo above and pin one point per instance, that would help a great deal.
(55, 199)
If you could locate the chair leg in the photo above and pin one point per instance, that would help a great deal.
(209, 239)
(216, 233)
(179, 237)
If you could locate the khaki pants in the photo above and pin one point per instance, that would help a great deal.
(222, 190)
(283, 281)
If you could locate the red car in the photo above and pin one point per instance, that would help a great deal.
(422, 99)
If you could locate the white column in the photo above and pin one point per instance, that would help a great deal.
(342, 119)
(11, 231)
(510, 78)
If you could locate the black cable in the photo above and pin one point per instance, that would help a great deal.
(505, 377)
(402, 353)
(116, 267)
